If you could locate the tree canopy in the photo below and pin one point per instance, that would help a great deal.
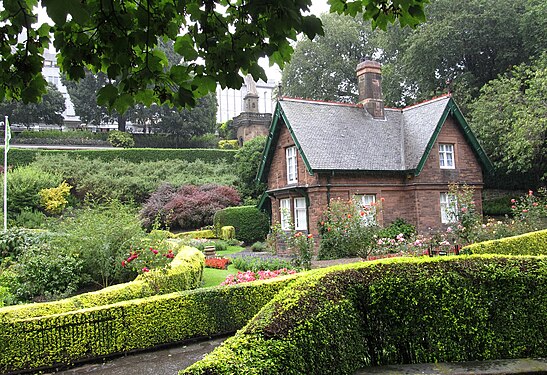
(48, 111)
(216, 39)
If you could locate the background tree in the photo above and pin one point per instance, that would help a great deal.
(48, 111)
(510, 119)
(216, 40)
(248, 160)
(324, 68)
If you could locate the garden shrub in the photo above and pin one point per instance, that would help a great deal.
(128, 181)
(259, 247)
(194, 206)
(29, 218)
(24, 185)
(227, 232)
(63, 338)
(121, 139)
(397, 227)
(250, 223)
(175, 141)
(497, 206)
(207, 233)
(57, 137)
(184, 273)
(24, 156)
(100, 236)
(230, 144)
(54, 200)
(14, 241)
(534, 243)
(423, 310)
(256, 264)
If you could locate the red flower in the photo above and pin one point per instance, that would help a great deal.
(145, 269)
(382, 199)
(155, 251)
(123, 263)
(349, 216)
(310, 235)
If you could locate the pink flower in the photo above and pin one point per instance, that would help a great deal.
(449, 229)
(382, 199)
(535, 204)
(530, 192)
(513, 207)
(525, 210)
(145, 269)
(464, 209)
(155, 251)
(513, 201)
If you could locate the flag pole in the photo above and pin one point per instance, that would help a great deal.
(6, 146)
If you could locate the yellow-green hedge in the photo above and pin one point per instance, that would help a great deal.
(32, 343)
(207, 233)
(227, 232)
(534, 243)
(185, 272)
(412, 310)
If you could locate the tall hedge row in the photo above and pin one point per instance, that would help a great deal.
(249, 222)
(61, 339)
(186, 272)
(533, 243)
(391, 312)
(22, 156)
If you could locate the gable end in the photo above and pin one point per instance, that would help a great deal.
(452, 109)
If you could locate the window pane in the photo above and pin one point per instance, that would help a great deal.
(300, 219)
(285, 208)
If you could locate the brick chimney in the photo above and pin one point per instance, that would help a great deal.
(369, 77)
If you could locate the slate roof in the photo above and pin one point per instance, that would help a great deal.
(346, 137)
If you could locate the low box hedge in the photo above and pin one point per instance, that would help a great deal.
(533, 243)
(21, 156)
(62, 339)
(251, 224)
(186, 272)
(207, 233)
(412, 310)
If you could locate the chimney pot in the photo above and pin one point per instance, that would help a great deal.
(369, 77)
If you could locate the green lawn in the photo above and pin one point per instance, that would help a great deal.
(213, 276)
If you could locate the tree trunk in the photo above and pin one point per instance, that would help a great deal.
(121, 123)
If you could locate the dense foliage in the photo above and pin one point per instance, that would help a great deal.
(130, 181)
(379, 313)
(187, 207)
(250, 223)
(136, 324)
(533, 243)
(248, 159)
(19, 157)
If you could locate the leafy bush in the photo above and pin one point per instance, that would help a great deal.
(100, 236)
(230, 144)
(207, 233)
(397, 227)
(121, 139)
(136, 324)
(344, 232)
(175, 141)
(24, 185)
(15, 241)
(64, 135)
(227, 232)
(256, 264)
(534, 243)
(190, 206)
(25, 156)
(250, 223)
(259, 247)
(248, 160)
(410, 310)
(54, 200)
(497, 206)
(29, 218)
(125, 181)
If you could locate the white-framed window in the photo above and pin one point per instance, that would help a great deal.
(285, 212)
(449, 208)
(300, 215)
(292, 174)
(367, 207)
(446, 156)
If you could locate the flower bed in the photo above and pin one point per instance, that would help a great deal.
(248, 276)
(218, 263)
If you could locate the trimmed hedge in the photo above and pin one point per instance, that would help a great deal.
(533, 243)
(227, 233)
(412, 310)
(186, 272)
(54, 340)
(207, 233)
(250, 223)
(19, 156)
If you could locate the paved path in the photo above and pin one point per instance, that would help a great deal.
(159, 362)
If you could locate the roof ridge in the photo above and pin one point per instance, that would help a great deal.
(287, 98)
(428, 101)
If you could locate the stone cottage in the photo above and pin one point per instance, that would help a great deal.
(318, 151)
